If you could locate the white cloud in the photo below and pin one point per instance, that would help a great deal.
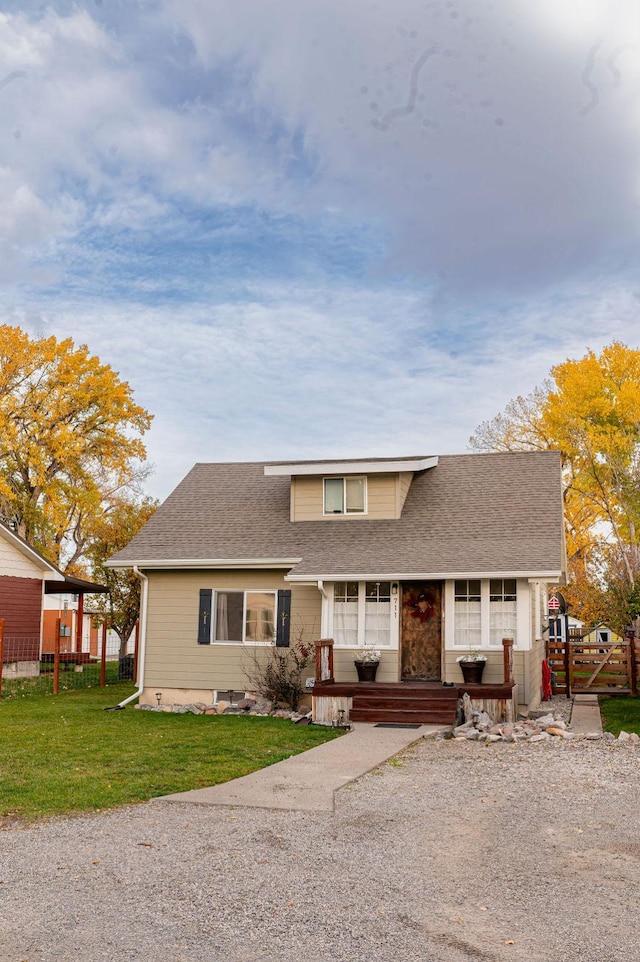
(322, 228)
(289, 372)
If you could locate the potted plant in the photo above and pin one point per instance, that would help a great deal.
(366, 661)
(472, 665)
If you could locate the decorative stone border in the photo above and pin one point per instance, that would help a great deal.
(246, 706)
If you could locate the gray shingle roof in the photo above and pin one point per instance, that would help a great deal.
(472, 513)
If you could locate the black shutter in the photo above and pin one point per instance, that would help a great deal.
(283, 619)
(204, 617)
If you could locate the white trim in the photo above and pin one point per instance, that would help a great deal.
(142, 639)
(523, 638)
(394, 615)
(242, 642)
(349, 467)
(326, 609)
(212, 563)
(420, 576)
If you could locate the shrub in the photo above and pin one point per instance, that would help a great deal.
(277, 674)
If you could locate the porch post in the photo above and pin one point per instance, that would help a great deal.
(1, 652)
(79, 623)
(507, 654)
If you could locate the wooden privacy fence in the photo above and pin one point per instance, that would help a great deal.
(598, 667)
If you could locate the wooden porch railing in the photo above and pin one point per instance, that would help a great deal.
(324, 661)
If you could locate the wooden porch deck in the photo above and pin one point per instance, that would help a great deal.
(404, 702)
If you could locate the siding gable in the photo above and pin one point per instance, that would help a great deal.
(13, 563)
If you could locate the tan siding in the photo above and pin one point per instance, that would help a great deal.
(345, 670)
(530, 692)
(308, 499)
(526, 671)
(493, 671)
(173, 656)
(404, 483)
(381, 496)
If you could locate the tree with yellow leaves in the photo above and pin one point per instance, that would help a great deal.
(589, 409)
(70, 442)
(120, 606)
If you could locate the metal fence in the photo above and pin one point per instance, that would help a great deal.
(26, 670)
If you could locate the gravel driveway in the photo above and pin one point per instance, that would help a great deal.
(450, 852)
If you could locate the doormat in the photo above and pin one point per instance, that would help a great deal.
(394, 725)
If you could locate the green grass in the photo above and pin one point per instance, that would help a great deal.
(65, 754)
(620, 714)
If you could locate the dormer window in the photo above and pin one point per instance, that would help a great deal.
(345, 495)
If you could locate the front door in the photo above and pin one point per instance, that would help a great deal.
(421, 631)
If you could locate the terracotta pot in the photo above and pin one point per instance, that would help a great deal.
(366, 670)
(472, 671)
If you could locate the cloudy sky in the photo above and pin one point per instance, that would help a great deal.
(306, 228)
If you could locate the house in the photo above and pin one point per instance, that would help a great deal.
(26, 578)
(423, 557)
(81, 626)
(601, 634)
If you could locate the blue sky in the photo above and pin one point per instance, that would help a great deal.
(321, 228)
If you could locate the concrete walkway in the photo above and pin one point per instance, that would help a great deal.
(585, 715)
(307, 782)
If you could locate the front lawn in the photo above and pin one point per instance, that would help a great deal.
(620, 714)
(64, 753)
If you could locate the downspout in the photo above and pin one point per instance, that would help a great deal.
(143, 640)
(325, 606)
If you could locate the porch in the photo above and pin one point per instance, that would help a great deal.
(406, 702)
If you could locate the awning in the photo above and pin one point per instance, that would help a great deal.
(73, 586)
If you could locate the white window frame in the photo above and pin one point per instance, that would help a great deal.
(459, 643)
(394, 619)
(485, 615)
(345, 508)
(244, 592)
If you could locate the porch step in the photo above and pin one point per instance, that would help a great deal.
(423, 716)
(435, 706)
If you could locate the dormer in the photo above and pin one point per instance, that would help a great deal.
(341, 490)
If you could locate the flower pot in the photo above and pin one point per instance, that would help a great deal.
(366, 670)
(472, 671)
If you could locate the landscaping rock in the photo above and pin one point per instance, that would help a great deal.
(547, 727)
(545, 720)
(245, 704)
(484, 721)
(555, 730)
(461, 729)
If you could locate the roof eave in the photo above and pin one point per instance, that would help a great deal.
(203, 563)
(349, 467)
(551, 575)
